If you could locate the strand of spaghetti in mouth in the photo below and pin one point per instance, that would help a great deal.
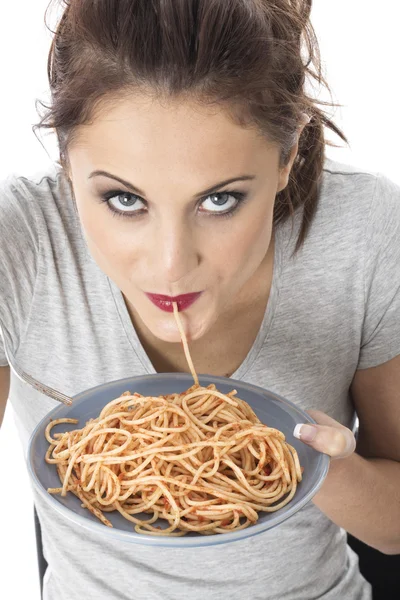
(201, 461)
(185, 343)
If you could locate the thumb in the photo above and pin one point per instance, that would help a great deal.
(327, 436)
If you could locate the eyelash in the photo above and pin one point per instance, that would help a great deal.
(241, 197)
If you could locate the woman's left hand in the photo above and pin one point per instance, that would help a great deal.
(328, 436)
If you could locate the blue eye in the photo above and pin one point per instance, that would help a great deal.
(222, 202)
(127, 204)
(124, 202)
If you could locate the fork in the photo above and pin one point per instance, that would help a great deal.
(44, 389)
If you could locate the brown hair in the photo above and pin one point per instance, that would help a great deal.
(254, 57)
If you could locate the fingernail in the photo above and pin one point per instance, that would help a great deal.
(305, 433)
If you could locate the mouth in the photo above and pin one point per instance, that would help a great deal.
(165, 302)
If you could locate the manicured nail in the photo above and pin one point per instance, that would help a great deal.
(305, 433)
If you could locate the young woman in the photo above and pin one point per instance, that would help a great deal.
(192, 167)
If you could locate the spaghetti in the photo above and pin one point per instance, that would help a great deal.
(200, 460)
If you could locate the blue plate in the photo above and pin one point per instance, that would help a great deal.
(269, 407)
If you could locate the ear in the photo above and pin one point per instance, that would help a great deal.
(65, 165)
(285, 171)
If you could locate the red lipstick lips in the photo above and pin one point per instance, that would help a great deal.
(165, 302)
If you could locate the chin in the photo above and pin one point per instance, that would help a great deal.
(195, 326)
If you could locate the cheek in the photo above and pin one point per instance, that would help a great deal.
(245, 246)
(105, 239)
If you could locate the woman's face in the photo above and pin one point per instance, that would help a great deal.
(157, 218)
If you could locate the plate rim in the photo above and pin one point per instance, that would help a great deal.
(184, 541)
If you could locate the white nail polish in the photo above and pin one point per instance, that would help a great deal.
(297, 431)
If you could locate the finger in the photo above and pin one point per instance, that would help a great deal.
(324, 419)
(337, 442)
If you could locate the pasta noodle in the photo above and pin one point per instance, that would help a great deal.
(200, 460)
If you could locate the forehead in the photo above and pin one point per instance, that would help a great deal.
(145, 132)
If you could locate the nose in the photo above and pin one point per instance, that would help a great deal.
(176, 250)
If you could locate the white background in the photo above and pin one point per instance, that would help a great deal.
(359, 43)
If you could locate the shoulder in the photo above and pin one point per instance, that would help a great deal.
(358, 187)
(355, 198)
(34, 182)
(358, 211)
(364, 218)
(345, 185)
(40, 203)
(31, 190)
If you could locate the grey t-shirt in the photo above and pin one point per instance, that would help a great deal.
(334, 308)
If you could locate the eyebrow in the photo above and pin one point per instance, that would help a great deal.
(137, 190)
